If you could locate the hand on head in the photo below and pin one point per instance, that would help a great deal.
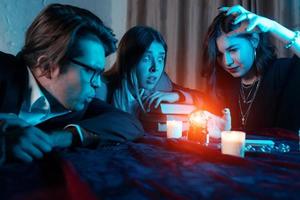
(250, 21)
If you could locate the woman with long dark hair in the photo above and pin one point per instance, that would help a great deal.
(137, 81)
(244, 73)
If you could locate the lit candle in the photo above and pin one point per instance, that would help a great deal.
(198, 127)
(233, 143)
(174, 129)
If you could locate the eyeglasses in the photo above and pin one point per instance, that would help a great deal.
(96, 73)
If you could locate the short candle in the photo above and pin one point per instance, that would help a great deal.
(233, 143)
(174, 129)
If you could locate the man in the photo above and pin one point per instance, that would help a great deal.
(47, 91)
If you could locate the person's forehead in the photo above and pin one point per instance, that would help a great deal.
(224, 41)
(156, 47)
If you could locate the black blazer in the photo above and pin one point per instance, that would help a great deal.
(99, 117)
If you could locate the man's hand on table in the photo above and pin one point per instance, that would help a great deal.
(25, 142)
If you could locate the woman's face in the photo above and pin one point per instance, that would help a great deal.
(151, 66)
(235, 54)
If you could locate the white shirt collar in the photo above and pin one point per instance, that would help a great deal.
(36, 98)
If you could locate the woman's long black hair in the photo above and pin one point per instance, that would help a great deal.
(218, 79)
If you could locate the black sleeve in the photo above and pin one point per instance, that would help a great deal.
(289, 106)
(111, 124)
(196, 95)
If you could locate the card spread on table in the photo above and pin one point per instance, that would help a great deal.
(260, 142)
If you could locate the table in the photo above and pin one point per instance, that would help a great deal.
(158, 168)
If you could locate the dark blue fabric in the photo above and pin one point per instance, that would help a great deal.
(159, 168)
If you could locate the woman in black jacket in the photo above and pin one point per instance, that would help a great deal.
(245, 75)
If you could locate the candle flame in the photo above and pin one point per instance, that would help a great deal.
(198, 118)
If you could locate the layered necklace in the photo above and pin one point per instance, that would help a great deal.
(246, 99)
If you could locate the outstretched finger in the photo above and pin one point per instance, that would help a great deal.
(241, 18)
(151, 95)
(21, 155)
(158, 101)
(152, 99)
(33, 151)
(223, 8)
(27, 146)
(252, 25)
(40, 135)
(235, 10)
(141, 92)
(41, 144)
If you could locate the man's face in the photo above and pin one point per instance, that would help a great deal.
(151, 66)
(75, 87)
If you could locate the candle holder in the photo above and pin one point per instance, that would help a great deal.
(198, 127)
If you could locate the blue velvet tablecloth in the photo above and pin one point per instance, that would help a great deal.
(158, 168)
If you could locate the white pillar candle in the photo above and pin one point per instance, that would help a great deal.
(233, 143)
(174, 129)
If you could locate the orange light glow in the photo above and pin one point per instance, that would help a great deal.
(198, 126)
(198, 118)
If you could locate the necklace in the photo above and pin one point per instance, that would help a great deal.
(249, 90)
(247, 100)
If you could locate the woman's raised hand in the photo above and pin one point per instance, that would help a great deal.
(254, 22)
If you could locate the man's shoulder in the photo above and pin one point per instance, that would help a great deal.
(100, 106)
(8, 63)
(13, 83)
(7, 58)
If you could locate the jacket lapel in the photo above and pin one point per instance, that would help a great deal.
(14, 87)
